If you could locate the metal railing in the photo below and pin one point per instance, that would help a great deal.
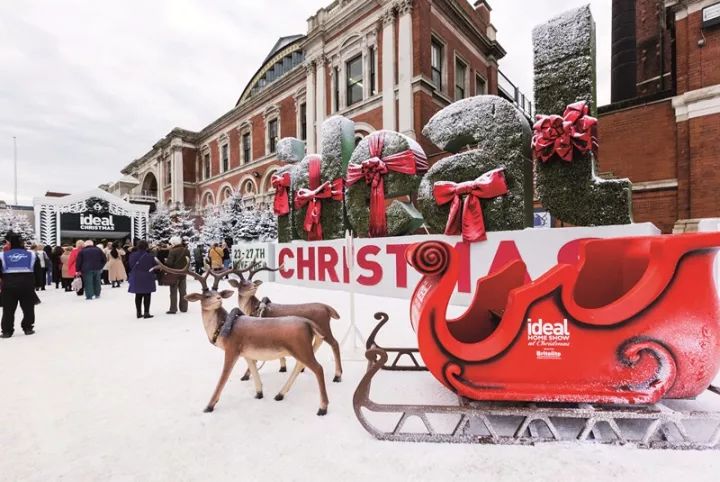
(512, 93)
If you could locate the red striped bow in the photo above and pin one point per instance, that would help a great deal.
(373, 170)
(467, 217)
(313, 197)
(281, 183)
(555, 135)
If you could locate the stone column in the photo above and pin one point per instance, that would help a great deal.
(320, 94)
(388, 70)
(405, 68)
(310, 104)
(178, 176)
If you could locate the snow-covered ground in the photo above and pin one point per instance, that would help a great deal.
(100, 395)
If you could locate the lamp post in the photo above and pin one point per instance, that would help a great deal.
(15, 166)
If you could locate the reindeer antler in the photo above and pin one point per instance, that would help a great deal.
(253, 272)
(185, 271)
(219, 275)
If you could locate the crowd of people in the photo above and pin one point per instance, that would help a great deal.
(86, 267)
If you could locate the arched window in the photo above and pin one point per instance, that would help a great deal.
(208, 200)
(226, 194)
(247, 188)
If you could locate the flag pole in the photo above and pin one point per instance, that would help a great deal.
(353, 331)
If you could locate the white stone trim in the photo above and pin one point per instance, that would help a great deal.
(265, 178)
(311, 103)
(223, 186)
(207, 194)
(655, 185)
(406, 108)
(388, 70)
(688, 7)
(243, 180)
(697, 103)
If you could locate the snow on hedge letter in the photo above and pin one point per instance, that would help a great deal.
(291, 151)
(385, 165)
(499, 139)
(319, 183)
(565, 78)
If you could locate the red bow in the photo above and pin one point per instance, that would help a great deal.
(468, 217)
(373, 170)
(558, 135)
(312, 198)
(281, 184)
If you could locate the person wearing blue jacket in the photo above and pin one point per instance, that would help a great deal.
(17, 273)
(90, 262)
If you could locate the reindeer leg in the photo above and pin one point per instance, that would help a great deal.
(317, 369)
(256, 377)
(230, 359)
(336, 354)
(246, 375)
(299, 367)
(283, 365)
(286, 388)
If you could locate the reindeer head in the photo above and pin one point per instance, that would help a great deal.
(246, 286)
(211, 298)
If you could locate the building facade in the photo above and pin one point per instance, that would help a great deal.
(388, 64)
(662, 127)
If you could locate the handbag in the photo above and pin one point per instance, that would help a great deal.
(77, 284)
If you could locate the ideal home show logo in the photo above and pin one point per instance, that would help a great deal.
(548, 338)
(90, 222)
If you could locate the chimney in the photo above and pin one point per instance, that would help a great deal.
(483, 9)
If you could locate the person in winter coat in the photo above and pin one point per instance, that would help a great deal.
(216, 257)
(226, 255)
(178, 258)
(116, 267)
(199, 258)
(90, 262)
(50, 265)
(142, 280)
(72, 262)
(41, 268)
(56, 261)
(17, 268)
(65, 271)
(106, 269)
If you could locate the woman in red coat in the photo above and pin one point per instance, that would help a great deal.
(72, 270)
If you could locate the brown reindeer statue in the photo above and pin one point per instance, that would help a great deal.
(254, 338)
(320, 313)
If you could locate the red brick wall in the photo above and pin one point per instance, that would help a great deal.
(189, 156)
(288, 118)
(639, 143)
(373, 117)
(258, 137)
(697, 66)
(657, 207)
(704, 133)
(653, 46)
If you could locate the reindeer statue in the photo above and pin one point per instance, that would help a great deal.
(318, 312)
(254, 338)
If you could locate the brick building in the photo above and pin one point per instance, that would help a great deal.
(388, 64)
(662, 128)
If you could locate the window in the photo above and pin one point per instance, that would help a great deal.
(436, 61)
(246, 147)
(303, 122)
(354, 70)
(206, 166)
(272, 135)
(336, 77)
(373, 89)
(225, 158)
(168, 173)
(460, 79)
(480, 86)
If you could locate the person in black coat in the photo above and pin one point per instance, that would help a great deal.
(17, 276)
(142, 280)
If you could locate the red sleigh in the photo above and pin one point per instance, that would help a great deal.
(633, 321)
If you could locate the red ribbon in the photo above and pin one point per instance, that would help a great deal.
(373, 170)
(555, 135)
(281, 183)
(312, 198)
(467, 217)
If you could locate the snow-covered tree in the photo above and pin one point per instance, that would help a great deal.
(160, 227)
(247, 227)
(182, 224)
(17, 223)
(233, 210)
(213, 229)
(267, 226)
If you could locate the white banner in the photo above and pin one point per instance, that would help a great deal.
(262, 254)
(380, 266)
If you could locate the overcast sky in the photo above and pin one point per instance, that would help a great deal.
(87, 86)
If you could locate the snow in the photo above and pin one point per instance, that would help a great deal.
(98, 395)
